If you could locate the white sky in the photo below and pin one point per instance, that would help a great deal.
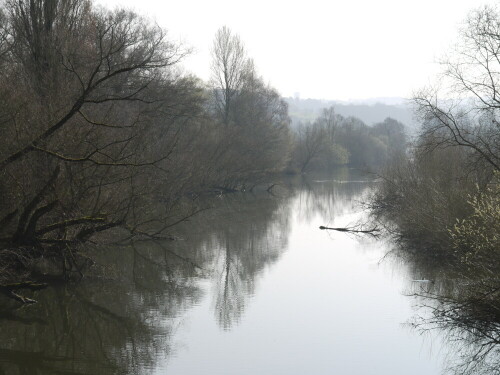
(351, 49)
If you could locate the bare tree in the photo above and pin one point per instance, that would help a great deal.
(316, 143)
(254, 141)
(465, 112)
(330, 122)
(228, 66)
(311, 143)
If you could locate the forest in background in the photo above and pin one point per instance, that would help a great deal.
(332, 140)
(370, 111)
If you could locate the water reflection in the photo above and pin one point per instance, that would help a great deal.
(472, 326)
(78, 332)
(248, 233)
(466, 312)
(463, 309)
(128, 321)
(330, 196)
(98, 326)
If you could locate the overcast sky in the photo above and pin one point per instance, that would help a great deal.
(352, 49)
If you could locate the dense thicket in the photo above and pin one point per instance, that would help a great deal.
(449, 182)
(100, 132)
(442, 201)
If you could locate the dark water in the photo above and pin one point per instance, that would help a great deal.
(251, 287)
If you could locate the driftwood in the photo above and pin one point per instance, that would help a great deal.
(375, 231)
(10, 290)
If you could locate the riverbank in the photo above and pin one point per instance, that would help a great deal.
(446, 216)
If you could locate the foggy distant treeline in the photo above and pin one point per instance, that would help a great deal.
(333, 140)
(375, 111)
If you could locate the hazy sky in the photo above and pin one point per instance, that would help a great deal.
(350, 49)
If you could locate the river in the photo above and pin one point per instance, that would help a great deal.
(251, 286)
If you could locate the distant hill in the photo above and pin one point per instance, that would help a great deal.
(370, 111)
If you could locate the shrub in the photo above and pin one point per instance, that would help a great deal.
(476, 238)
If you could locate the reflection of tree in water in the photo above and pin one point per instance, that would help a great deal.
(465, 309)
(471, 325)
(244, 243)
(100, 327)
(250, 232)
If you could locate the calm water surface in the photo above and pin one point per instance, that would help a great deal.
(250, 287)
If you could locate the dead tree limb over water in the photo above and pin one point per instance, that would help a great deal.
(11, 290)
(374, 232)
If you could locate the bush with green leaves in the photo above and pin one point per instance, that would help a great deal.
(476, 238)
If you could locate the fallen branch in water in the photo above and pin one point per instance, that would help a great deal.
(10, 290)
(375, 231)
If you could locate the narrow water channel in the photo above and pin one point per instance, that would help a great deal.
(251, 286)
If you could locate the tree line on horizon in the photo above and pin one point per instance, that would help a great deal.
(333, 140)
